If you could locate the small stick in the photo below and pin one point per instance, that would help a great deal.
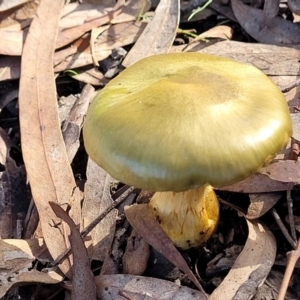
(282, 228)
(292, 258)
(92, 225)
(290, 86)
(291, 215)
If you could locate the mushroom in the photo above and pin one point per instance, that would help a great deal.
(182, 123)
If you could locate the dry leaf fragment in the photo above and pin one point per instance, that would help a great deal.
(16, 257)
(12, 42)
(120, 287)
(159, 34)
(261, 203)
(278, 31)
(270, 10)
(132, 10)
(136, 255)
(83, 284)
(69, 35)
(251, 267)
(47, 165)
(72, 125)
(97, 199)
(283, 170)
(141, 219)
(258, 183)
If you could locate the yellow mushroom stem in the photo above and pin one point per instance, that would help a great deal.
(188, 218)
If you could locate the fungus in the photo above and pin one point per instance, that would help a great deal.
(180, 124)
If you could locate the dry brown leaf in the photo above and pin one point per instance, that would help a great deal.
(83, 284)
(261, 203)
(219, 32)
(159, 34)
(135, 258)
(6, 5)
(91, 76)
(75, 14)
(283, 170)
(19, 15)
(12, 42)
(140, 218)
(258, 183)
(73, 123)
(67, 36)
(94, 34)
(120, 287)
(97, 199)
(251, 267)
(79, 54)
(47, 165)
(278, 31)
(132, 10)
(271, 59)
(16, 257)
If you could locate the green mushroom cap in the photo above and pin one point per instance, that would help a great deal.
(173, 122)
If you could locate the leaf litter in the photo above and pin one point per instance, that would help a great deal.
(46, 156)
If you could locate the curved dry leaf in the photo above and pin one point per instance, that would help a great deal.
(159, 34)
(83, 284)
(277, 31)
(261, 204)
(141, 219)
(120, 287)
(48, 170)
(251, 267)
(270, 10)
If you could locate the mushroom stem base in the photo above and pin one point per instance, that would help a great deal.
(189, 218)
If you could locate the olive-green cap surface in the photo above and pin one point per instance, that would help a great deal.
(173, 122)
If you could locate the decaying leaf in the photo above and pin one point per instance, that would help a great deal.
(120, 287)
(47, 165)
(136, 255)
(79, 54)
(251, 267)
(75, 14)
(277, 31)
(83, 284)
(16, 257)
(258, 183)
(72, 125)
(97, 199)
(159, 34)
(261, 203)
(140, 218)
(67, 36)
(283, 170)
